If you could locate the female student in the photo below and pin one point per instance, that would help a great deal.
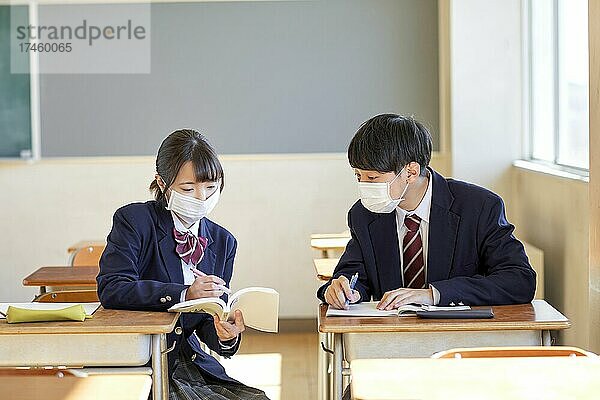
(165, 251)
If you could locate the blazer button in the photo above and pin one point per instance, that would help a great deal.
(163, 300)
(178, 330)
(168, 298)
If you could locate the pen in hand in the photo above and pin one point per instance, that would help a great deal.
(197, 272)
(353, 281)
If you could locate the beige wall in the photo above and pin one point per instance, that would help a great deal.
(552, 213)
(594, 205)
(486, 91)
(271, 204)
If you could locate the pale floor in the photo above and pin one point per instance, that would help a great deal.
(283, 365)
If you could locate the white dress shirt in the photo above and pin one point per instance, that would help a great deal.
(422, 211)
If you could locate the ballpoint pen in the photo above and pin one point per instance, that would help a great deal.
(197, 272)
(353, 281)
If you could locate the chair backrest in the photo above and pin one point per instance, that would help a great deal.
(86, 256)
(68, 296)
(524, 351)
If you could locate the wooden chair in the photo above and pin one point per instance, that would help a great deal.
(68, 296)
(524, 351)
(86, 256)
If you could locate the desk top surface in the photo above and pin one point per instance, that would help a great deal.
(471, 378)
(126, 387)
(62, 276)
(537, 315)
(103, 321)
(329, 243)
(86, 243)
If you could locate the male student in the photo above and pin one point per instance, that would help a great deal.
(418, 237)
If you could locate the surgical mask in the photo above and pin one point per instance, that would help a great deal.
(376, 197)
(189, 209)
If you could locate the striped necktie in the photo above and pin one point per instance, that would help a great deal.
(412, 254)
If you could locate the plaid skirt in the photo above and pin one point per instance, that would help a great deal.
(188, 382)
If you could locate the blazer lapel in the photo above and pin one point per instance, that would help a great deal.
(443, 230)
(384, 238)
(166, 245)
(207, 264)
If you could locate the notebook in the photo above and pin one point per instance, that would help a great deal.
(479, 313)
(259, 306)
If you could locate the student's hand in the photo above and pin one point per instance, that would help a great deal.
(337, 293)
(205, 286)
(230, 329)
(396, 298)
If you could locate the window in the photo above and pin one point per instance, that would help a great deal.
(557, 71)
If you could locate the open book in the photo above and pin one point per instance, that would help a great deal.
(369, 309)
(259, 306)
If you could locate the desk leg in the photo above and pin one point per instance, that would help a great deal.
(546, 338)
(160, 375)
(323, 359)
(338, 359)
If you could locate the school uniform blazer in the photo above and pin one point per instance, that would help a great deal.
(473, 257)
(140, 270)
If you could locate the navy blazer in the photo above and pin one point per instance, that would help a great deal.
(473, 257)
(140, 270)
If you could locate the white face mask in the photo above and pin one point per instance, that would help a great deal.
(189, 209)
(376, 197)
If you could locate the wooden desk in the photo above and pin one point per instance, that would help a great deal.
(62, 276)
(123, 387)
(395, 337)
(548, 378)
(324, 267)
(110, 338)
(85, 243)
(329, 243)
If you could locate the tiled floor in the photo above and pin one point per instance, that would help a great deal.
(284, 365)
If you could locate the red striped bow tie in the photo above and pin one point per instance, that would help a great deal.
(189, 247)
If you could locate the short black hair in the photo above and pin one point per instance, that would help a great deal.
(388, 142)
(179, 147)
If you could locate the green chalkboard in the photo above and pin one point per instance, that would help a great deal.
(15, 111)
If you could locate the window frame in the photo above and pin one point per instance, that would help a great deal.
(527, 95)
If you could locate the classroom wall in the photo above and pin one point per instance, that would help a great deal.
(486, 91)
(552, 213)
(271, 203)
(594, 186)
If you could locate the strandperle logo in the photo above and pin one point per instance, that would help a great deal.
(84, 31)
